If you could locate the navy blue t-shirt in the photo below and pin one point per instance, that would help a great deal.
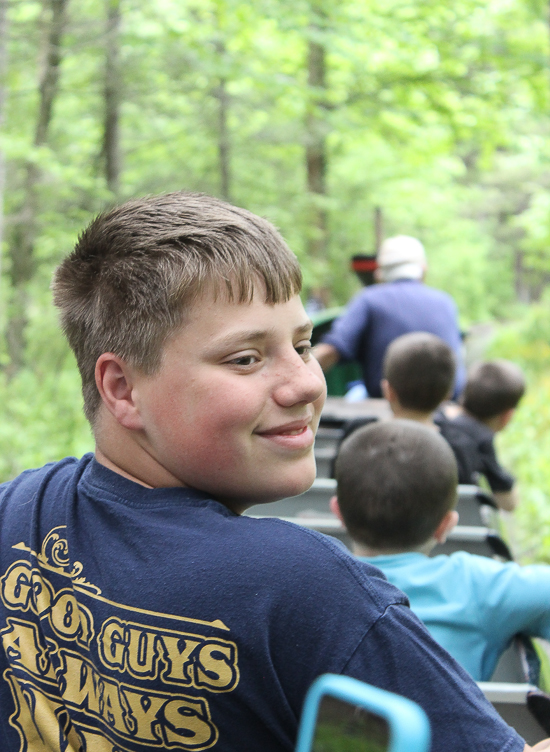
(380, 313)
(158, 619)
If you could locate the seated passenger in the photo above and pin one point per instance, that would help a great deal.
(419, 372)
(140, 610)
(397, 486)
(492, 392)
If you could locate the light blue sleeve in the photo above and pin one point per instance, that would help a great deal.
(513, 598)
(346, 332)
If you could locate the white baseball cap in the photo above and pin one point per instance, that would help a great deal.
(401, 257)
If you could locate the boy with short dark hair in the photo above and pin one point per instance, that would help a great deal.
(492, 392)
(397, 485)
(419, 370)
(139, 610)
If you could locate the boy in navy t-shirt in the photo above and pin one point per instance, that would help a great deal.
(139, 610)
(397, 484)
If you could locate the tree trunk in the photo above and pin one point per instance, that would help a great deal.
(224, 142)
(224, 145)
(23, 236)
(316, 161)
(112, 95)
(3, 73)
(521, 283)
(378, 228)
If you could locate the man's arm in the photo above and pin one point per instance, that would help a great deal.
(327, 355)
(343, 340)
(544, 744)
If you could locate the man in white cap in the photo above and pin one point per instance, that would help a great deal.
(381, 313)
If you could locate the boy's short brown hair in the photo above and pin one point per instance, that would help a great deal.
(492, 388)
(137, 268)
(396, 481)
(421, 369)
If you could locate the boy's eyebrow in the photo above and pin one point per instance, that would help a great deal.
(254, 335)
(307, 327)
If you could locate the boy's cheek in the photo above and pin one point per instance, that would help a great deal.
(210, 451)
(245, 458)
(320, 403)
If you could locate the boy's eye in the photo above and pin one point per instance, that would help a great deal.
(304, 349)
(244, 360)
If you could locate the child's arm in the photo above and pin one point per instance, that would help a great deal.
(501, 482)
(511, 599)
(507, 500)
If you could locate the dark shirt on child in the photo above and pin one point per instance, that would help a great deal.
(473, 445)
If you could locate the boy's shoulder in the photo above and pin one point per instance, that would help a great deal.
(463, 428)
(460, 563)
(29, 481)
(21, 499)
(460, 577)
(473, 426)
(261, 550)
(316, 562)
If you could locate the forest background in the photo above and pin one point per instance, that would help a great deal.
(337, 121)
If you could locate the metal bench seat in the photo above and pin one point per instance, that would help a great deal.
(522, 706)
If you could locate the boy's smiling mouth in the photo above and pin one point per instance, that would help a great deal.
(295, 435)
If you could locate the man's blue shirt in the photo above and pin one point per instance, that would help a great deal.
(379, 314)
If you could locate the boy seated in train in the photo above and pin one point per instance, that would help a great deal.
(487, 404)
(139, 608)
(418, 375)
(396, 493)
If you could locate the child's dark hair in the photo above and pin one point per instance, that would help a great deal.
(492, 388)
(421, 369)
(136, 269)
(396, 481)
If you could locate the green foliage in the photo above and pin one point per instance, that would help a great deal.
(429, 108)
(42, 420)
(524, 446)
(436, 112)
(527, 339)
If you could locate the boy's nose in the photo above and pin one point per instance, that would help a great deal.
(300, 381)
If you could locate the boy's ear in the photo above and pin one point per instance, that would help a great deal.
(113, 378)
(446, 525)
(386, 389)
(506, 417)
(335, 508)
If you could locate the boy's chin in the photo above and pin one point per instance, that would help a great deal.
(281, 490)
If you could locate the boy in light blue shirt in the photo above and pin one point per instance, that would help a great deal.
(396, 495)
